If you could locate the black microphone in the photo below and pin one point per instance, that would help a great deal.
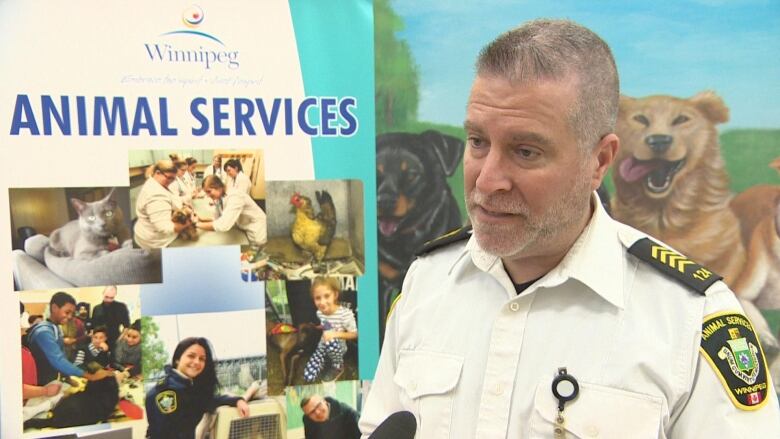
(399, 425)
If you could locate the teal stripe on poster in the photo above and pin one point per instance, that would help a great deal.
(336, 50)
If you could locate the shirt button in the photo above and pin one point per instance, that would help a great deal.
(514, 306)
(592, 431)
(498, 390)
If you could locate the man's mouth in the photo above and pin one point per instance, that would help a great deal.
(658, 173)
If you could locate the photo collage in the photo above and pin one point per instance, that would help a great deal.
(200, 298)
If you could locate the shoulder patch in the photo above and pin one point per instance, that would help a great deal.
(444, 240)
(730, 345)
(166, 402)
(674, 264)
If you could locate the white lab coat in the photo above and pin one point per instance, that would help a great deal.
(154, 206)
(240, 209)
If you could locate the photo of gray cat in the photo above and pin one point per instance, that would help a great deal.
(82, 236)
(99, 229)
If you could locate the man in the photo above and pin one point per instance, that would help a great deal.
(46, 344)
(113, 315)
(326, 418)
(548, 289)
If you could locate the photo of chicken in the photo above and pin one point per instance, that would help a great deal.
(315, 228)
(313, 233)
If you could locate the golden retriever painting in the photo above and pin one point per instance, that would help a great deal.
(671, 182)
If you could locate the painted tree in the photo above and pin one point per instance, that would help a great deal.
(153, 353)
(397, 81)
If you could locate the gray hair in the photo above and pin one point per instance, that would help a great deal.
(553, 50)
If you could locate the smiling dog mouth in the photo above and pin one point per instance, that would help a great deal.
(657, 173)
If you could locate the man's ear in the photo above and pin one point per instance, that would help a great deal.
(604, 155)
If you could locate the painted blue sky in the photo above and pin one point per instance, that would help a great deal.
(664, 47)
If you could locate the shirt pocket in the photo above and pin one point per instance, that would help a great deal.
(429, 380)
(598, 411)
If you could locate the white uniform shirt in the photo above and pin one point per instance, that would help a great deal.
(241, 183)
(473, 359)
(154, 206)
(240, 209)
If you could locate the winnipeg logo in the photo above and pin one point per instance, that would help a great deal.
(741, 356)
(192, 45)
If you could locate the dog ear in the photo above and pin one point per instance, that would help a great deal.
(625, 103)
(711, 106)
(448, 149)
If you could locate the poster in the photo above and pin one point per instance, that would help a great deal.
(99, 100)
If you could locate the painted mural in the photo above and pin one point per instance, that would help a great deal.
(699, 164)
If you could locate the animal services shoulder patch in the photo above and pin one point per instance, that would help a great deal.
(166, 401)
(444, 240)
(730, 345)
(674, 264)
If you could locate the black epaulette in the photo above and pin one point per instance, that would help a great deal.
(445, 239)
(674, 265)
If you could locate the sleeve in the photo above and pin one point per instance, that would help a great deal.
(230, 213)
(384, 397)
(48, 344)
(164, 415)
(220, 400)
(159, 210)
(79, 357)
(125, 318)
(349, 321)
(726, 399)
(119, 351)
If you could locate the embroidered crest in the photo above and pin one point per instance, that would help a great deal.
(166, 401)
(674, 264)
(730, 345)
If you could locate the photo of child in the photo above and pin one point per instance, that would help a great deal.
(338, 326)
(128, 349)
(94, 354)
(311, 331)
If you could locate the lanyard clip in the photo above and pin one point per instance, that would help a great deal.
(565, 388)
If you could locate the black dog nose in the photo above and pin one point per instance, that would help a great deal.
(659, 143)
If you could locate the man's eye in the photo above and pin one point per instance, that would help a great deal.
(527, 153)
(475, 142)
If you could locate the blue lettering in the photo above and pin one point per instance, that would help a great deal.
(219, 116)
(345, 107)
(303, 117)
(288, 120)
(326, 116)
(23, 109)
(49, 110)
(269, 123)
(118, 114)
(204, 121)
(143, 119)
(81, 113)
(165, 129)
(156, 49)
(244, 110)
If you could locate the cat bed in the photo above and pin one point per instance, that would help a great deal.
(120, 267)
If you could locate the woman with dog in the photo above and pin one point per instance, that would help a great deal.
(234, 208)
(188, 391)
(154, 227)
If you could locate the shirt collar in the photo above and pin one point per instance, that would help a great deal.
(589, 261)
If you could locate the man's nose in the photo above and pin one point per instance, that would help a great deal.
(494, 174)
